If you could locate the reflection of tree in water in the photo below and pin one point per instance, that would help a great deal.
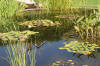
(46, 34)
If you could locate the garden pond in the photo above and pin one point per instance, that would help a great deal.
(51, 46)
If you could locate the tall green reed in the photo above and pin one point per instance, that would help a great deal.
(56, 4)
(18, 55)
(8, 10)
(8, 25)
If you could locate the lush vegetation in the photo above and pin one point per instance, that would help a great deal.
(56, 4)
(17, 54)
(8, 10)
(88, 26)
(57, 17)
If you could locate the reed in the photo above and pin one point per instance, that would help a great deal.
(18, 56)
(56, 4)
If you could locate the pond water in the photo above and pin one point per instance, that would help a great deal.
(46, 46)
(48, 52)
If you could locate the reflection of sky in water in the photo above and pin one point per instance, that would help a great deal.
(49, 53)
(3, 57)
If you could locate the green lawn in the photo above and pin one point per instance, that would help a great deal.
(89, 3)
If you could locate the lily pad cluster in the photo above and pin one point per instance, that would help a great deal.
(80, 47)
(16, 35)
(36, 23)
(63, 63)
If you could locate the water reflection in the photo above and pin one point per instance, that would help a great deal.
(46, 51)
(21, 55)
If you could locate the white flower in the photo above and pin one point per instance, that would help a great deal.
(29, 26)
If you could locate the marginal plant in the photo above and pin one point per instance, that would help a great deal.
(80, 47)
(17, 55)
(83, 26)
(87, 26)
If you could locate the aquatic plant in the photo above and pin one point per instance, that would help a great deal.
(63, 63)
(17, 55)
(37, 23)
(80, 47)
(83, 27)
(87, 26)
(16, 35)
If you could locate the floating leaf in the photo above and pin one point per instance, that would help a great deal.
(36, 23)
(16, 35)
(72, 63)
(84, 65)
(70, 60)
(63, 63)
(80, 47)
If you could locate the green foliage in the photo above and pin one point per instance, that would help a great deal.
(8, 25)
(88, 26)
(56, 4)
(8, 10)
(17, 55)
(80, 47)
(9, 7)
(16, 35)
(21, 6)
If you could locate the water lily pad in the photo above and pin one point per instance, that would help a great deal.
(37, 23)
(16, 35)
(80, 47)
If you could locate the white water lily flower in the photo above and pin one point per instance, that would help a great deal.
(29, 26)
